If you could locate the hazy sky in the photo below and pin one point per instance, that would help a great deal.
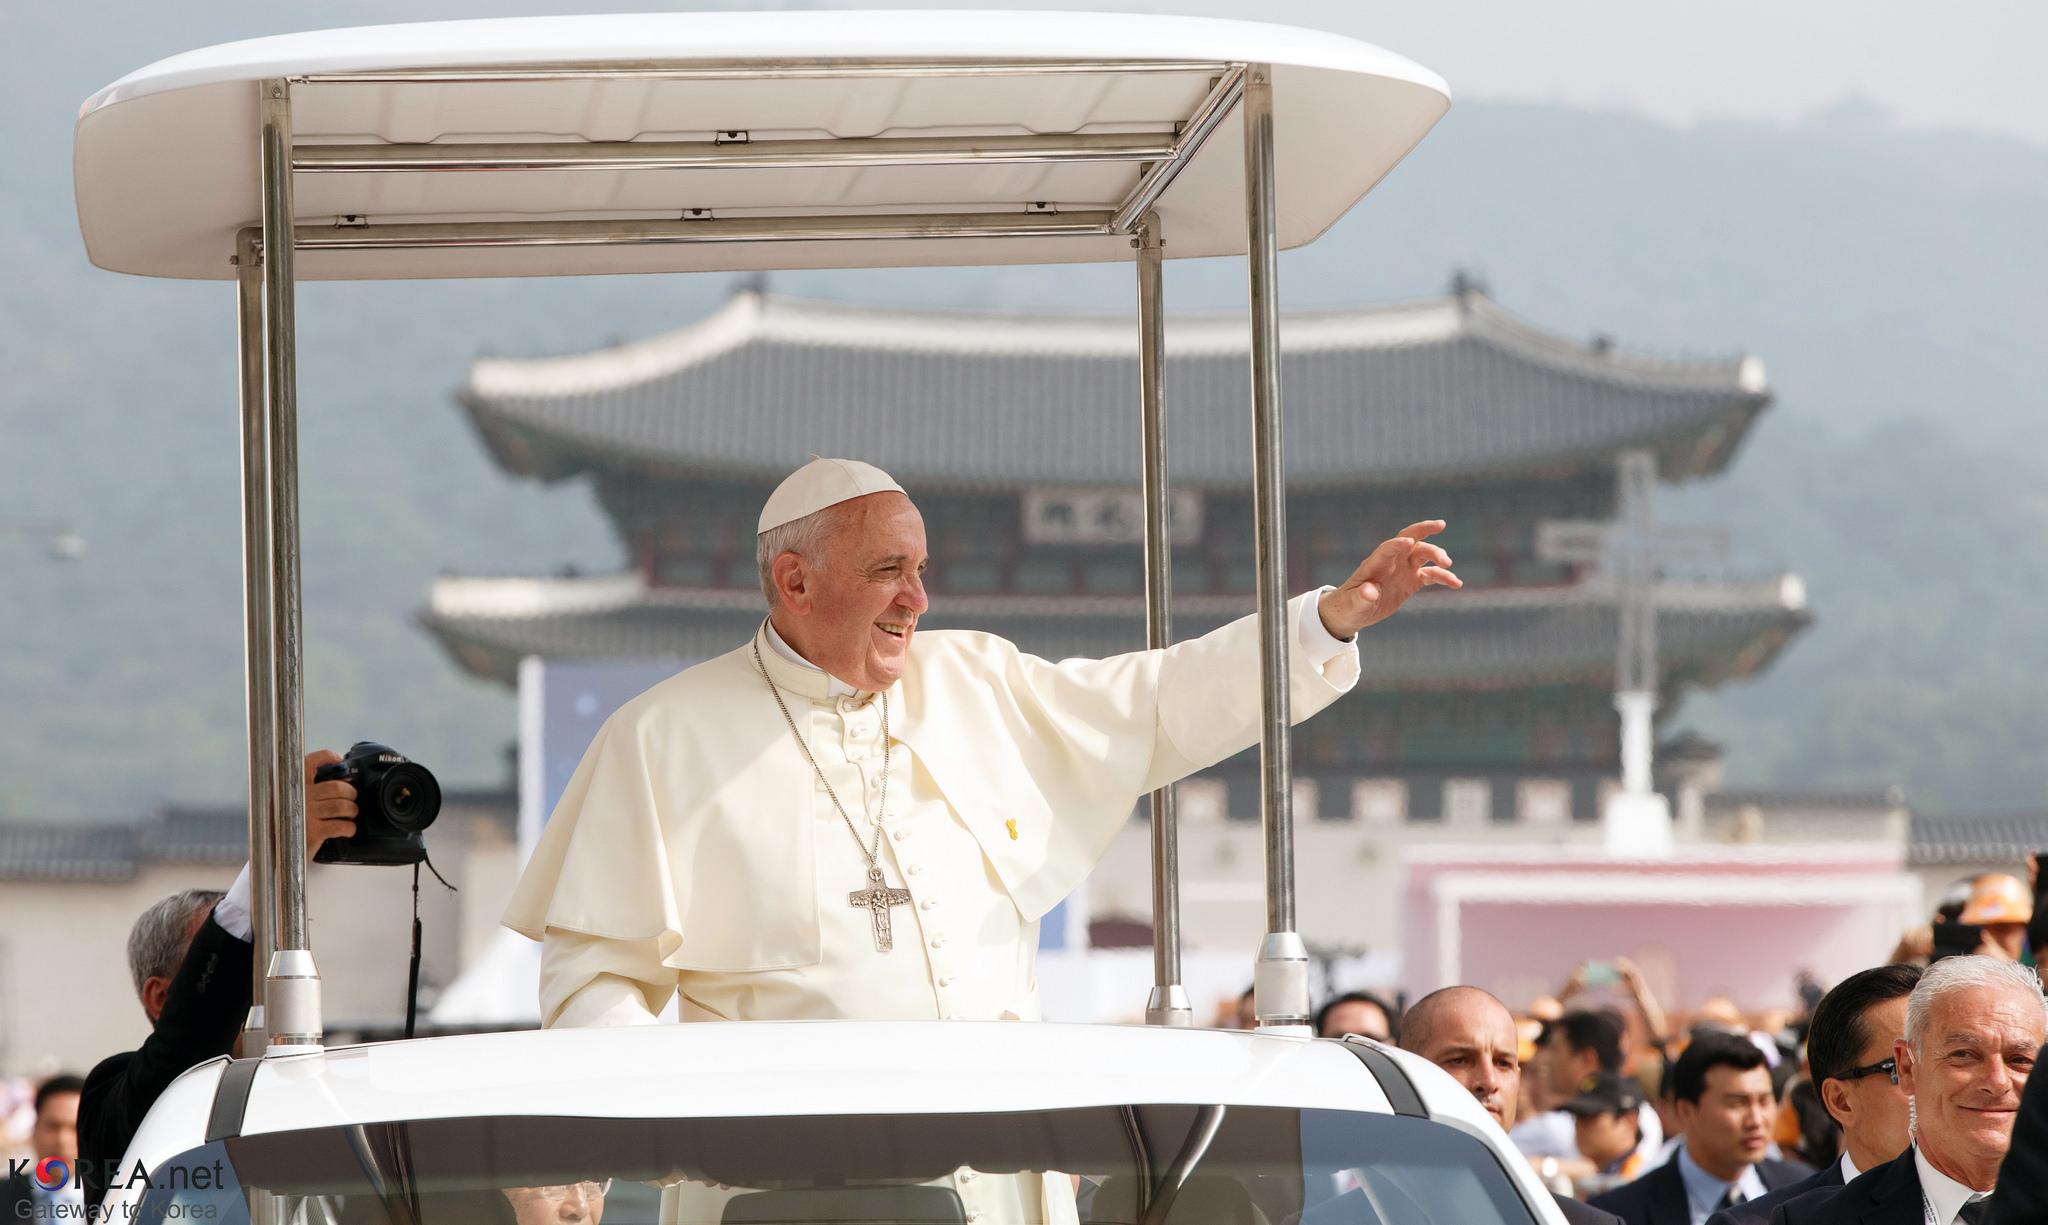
(1966, 63)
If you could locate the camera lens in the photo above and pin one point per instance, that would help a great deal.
(410, 797)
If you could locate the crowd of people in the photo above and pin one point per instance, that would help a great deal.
(1891, 1099)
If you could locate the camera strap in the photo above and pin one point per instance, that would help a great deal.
(412, 973)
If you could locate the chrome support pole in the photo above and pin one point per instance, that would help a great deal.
(849, 228)
(292, 994)
(841, 153)
(760, 70)
(1168, 1004)
(1280, 978)
(1194, 133)
(259, 663)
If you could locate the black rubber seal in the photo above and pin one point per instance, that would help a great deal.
(231, 1099)
(1400, 1091)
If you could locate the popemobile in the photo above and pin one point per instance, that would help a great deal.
(731, 143)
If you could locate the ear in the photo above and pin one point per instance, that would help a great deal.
(1904, 1055)
(791, 576)
(1686, 1110)
(1835, 1096)
(155, 990)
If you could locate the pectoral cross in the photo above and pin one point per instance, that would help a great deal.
(877, 898)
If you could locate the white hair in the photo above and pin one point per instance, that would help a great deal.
(157, 943)
(804, 537)
(1952, 974)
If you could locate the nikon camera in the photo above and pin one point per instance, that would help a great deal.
(396, 799)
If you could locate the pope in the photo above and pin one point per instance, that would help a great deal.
(848, 817)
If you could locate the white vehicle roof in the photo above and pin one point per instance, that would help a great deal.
(801, 1067)
(753, 1068)
(165, 164)
(757, 1069)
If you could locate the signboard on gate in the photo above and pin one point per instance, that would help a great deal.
(1105, 516)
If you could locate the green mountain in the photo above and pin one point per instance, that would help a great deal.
(1893, 282)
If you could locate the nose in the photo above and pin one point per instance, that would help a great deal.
(1486, 1082)
(913, 596)
(1999, 1078)
(575, 1206)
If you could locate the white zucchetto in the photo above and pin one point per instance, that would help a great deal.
(822, 483)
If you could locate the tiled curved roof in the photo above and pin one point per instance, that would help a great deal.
(1978, 837)
(1706, 633)
(216, 835)
(39, 851)
(1446, 387)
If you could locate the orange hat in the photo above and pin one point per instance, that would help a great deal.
(1998, 898)
(1787, 1131)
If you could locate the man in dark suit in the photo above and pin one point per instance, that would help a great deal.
(191, 956)
(54, 1134)
(1973, 1028)
(1849, 1059)
(1722, 1087)
(1887, 1195)
(1471, 1035)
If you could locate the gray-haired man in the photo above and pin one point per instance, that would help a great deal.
(192, 957)
(1973, 1027)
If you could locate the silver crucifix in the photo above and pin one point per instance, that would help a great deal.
(877, 898)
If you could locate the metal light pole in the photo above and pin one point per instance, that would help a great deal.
(292, 991)
(1168, 1004)
(1280, 977)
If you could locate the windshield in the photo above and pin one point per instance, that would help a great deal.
(1133, 1165)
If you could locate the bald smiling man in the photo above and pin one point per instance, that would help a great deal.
(1471, 1035)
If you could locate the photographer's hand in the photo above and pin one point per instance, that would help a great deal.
(330, 806)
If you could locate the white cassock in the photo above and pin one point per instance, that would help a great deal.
(695, 851)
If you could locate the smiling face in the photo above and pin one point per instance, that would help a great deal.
(853, 610)
(1965, 1076)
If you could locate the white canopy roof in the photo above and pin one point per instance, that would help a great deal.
(680, 126)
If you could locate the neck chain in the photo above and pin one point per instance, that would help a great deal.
(873, 853)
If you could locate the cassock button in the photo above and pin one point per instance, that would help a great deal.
(938, 942)
(946, 980)
(966, 1175)
(902, 834)
(928, 903)
(910, 870)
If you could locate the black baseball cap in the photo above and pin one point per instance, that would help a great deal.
(1606, 1093)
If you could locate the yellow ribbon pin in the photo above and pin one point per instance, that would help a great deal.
(1011, 825)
